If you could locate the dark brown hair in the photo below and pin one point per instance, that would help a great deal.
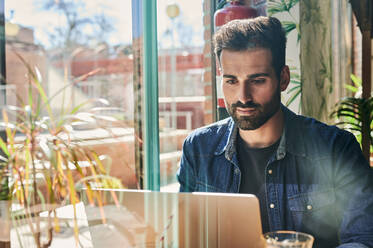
(259, 32)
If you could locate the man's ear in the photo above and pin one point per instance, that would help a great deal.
(284, 78)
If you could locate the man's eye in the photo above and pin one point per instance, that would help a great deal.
(258, 81)
(230, 81)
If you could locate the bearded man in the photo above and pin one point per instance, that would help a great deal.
(308, 176)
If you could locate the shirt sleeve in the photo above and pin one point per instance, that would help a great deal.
(354, 194)
(185, 174)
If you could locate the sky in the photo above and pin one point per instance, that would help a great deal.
(29, 13)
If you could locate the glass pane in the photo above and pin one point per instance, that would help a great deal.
(181, 89)
(86, 48)
(81, 53)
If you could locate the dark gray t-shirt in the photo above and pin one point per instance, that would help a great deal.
(252, 163)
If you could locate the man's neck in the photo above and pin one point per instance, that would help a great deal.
(267, 134)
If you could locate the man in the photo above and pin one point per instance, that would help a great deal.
(308, 176)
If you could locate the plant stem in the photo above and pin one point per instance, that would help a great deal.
(32, 153)
(27, 209)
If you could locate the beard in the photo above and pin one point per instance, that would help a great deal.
(262, 113)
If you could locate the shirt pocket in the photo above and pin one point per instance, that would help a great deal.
(314, 213)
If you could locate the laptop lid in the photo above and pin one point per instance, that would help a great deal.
(136, 218)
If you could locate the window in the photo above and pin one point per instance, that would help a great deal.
(181, 91)
(86, 47)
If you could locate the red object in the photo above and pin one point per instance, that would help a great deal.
(221, 103)
(234, 10)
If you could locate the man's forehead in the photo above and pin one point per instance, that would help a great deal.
(248, 60)
(247, 50)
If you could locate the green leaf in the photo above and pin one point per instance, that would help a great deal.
(344, 123)
(296, 82)
(4, 147)
(356, 80)
(351, 88)
(288, 26)
(275, 7)
(294, 88)
(293, 3)
(221, 4)
(295, 77)
(278, 6)
(353, 112)
(350, 116)
(76, 109)
(294, 96)
(29, 91)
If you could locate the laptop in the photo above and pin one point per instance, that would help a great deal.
(140, 218)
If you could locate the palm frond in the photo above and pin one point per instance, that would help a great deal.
(288, 26)
(275, 8)
(221, 4)
(297, 92)
(278, 6)
(356, 127)
(352, 117)
(352, 112)
(297, 87)
(356, 80)
(290, 3)
(351, 88)
(295, 77)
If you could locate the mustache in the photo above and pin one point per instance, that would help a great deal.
(245, 105)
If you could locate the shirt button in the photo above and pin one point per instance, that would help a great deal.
(270, 172)
(236, 171)
(309, 207)
(272, 205)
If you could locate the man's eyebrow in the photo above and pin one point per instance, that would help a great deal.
(228, 76)
(264, 74)
(258, 75)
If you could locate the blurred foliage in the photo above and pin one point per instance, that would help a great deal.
(351, 112)
(281, 6)
(277, 6)
(42, 162)
(296, 87)
(285, 6)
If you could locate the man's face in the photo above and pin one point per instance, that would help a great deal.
(251, 89)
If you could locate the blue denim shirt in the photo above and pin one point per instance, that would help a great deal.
(317, 182)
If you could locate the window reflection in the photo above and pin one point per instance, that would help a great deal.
(181, 88)
(66, 40)
(86, 48)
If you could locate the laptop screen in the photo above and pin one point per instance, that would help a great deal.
(135, 218)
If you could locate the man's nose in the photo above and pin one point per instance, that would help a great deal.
(244, 93)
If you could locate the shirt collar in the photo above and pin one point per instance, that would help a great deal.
(291, 139)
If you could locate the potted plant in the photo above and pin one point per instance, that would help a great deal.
(355, 114)
(41, 161)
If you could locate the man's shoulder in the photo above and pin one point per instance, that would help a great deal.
(316, 132)
(316, 128)
(307, 136)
